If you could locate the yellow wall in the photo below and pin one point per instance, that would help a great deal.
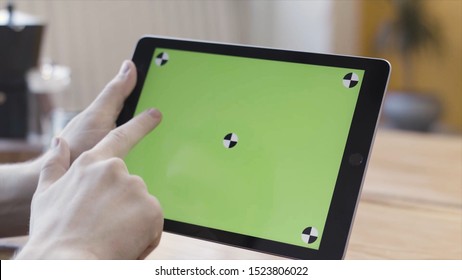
(439, 74)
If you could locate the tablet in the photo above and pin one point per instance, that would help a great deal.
(259, 148)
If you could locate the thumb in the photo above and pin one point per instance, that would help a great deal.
(56, 164)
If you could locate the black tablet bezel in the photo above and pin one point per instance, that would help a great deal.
(355, 157)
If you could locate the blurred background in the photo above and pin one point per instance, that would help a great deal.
(57, 55)
(83, 42)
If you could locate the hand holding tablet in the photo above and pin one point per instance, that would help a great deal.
(259, 148)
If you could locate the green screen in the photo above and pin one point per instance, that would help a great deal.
(291, 121)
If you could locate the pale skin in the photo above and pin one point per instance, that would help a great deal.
(86, 204)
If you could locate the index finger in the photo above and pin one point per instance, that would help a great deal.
(122, 139)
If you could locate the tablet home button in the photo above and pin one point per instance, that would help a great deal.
(356, 159)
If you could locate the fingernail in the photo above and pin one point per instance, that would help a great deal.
(154, 113)
(55, 142)
(125, 68)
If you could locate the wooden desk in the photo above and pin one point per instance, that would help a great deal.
(14, 150)
(410, 208)
(411, 205)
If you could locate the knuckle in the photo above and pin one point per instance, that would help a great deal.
(154, 202)
(156, 215)
(114, 85)
(114, 169)
(151, 205)
(115, 164)
(137, 182)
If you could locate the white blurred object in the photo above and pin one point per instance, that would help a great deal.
(18, 19)
(45, 84)
(60, 118)
(53, 124)
(49, 78)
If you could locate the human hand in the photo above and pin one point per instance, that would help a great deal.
(92, 124)
(94, 208)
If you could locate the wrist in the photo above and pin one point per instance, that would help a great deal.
(18, 182)
(24, 179)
